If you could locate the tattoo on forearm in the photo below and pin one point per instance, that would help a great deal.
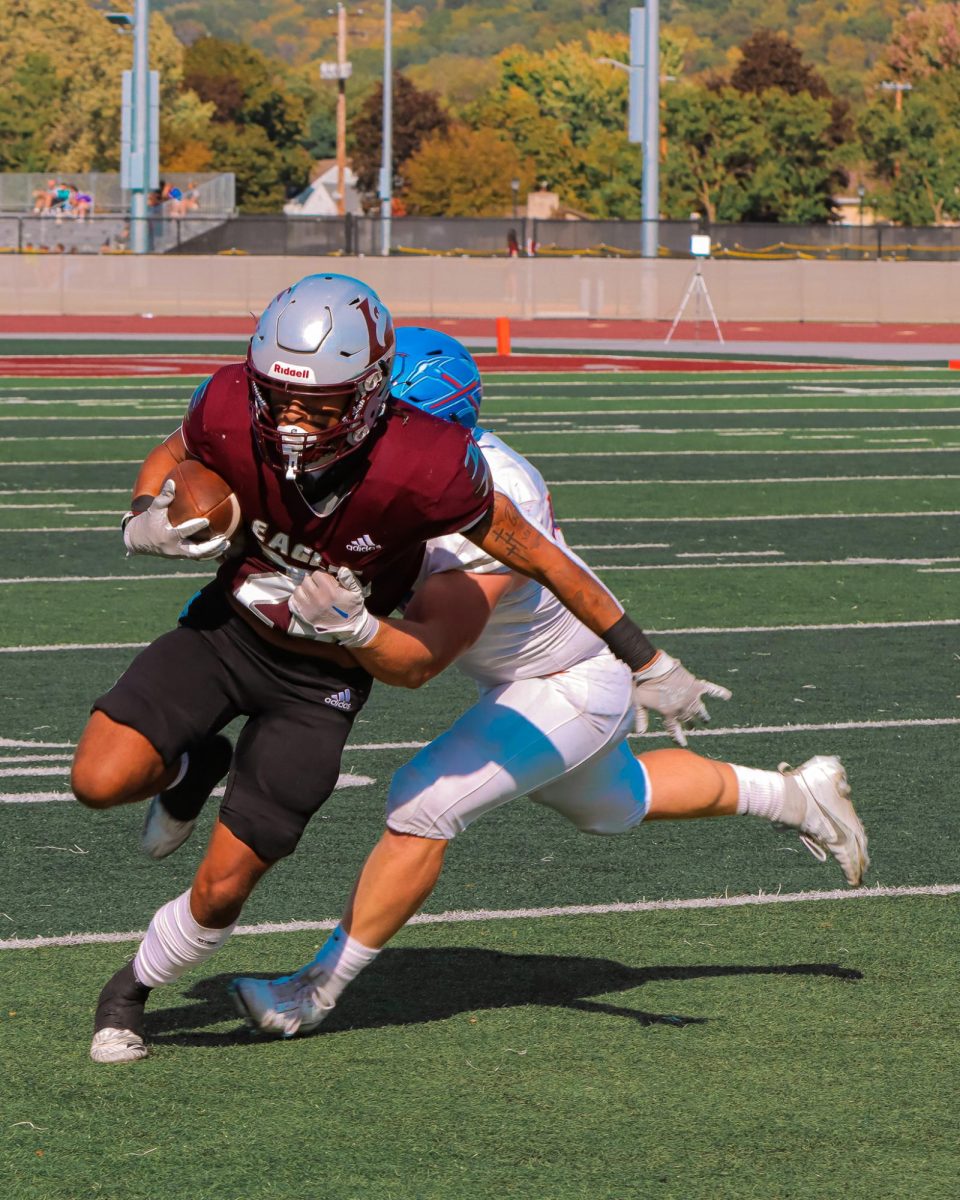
(520, 545)
(510, 545)
(513, 538)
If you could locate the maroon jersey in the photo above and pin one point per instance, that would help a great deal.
(420, 478)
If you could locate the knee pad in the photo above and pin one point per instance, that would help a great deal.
(414, 806)
(604, 825)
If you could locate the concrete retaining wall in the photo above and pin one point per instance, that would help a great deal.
(793, 290)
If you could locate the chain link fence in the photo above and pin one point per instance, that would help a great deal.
(209, 231)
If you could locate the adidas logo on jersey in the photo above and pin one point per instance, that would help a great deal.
(340, 700)
(363, 544)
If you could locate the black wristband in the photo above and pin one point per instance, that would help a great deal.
(629, 643)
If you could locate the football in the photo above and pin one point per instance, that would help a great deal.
(202, 493)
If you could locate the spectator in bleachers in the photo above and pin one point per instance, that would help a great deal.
(43, 197)
(61, 200)
(82, 205)
(191, 198)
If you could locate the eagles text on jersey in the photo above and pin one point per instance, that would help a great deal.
(420, 478)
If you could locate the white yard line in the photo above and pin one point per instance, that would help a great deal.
(112, 417)
(837, 431)
(647, 520)
(172, 409)
(345, 781)
(57, 647)
(705, 553)
(100, 462)
(760, 566)
(114, 491)
(730, 731)
(670, 566)
(742, 482)
(514, 914)
(760, 411)
(104, 578)
(79, 437)
(640, 520)
(75, 462)
(538, 454)
(745, 482)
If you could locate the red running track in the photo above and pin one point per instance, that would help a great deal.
(63, 366)
(572, 330)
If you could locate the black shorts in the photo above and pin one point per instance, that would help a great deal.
(194, 680)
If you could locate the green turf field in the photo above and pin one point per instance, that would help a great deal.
(793, 536)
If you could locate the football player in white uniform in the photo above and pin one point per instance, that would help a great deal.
(551, 721)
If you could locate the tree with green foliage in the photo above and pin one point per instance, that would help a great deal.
(914, 157)
(566, 110)
(771, 60)
(31, 94)
(543, 143)
(416, 115)
(713, 145)
(60, 68)
(259, 123)
(912, 148)
(734, 156)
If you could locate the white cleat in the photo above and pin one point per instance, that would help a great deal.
(830, 824)
(162, 834)
(117, 1046)
(286, 1006)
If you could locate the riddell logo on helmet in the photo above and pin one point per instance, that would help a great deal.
(290, 371)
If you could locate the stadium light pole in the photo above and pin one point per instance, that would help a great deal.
(650, 186)
(386, 168)
(643, 117)
(138, 156)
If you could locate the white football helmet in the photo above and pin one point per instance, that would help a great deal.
(319, 370)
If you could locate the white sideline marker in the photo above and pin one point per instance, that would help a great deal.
(514, 914)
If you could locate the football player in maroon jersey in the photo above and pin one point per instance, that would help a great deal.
(327, 474)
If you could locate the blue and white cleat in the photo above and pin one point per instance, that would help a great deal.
(285, 1006)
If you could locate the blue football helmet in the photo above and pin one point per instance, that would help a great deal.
(437, 373)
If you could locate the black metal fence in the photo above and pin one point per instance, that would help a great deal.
(472, 237)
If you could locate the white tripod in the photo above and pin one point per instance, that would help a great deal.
(698, 287)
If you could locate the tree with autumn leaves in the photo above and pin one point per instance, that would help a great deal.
(765, 137)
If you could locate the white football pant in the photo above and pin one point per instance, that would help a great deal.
(559, 739)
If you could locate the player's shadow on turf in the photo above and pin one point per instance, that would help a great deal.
(409, 987)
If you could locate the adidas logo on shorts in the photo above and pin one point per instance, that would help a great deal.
(340, 700)
(363, 544)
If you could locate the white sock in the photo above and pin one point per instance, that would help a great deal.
(341, 959)
(175, 942)
(765, 794)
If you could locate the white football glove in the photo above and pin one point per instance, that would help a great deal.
(150, 531)
(333, 606)
(666, 686)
